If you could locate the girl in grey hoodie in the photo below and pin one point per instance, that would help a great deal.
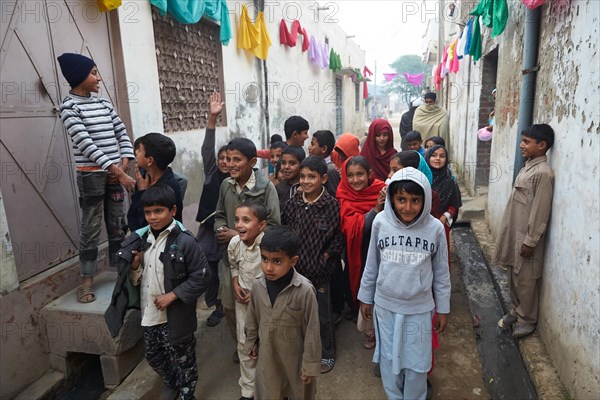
(406, 269)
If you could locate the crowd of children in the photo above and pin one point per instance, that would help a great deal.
(367, 228)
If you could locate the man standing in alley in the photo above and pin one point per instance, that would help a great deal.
(520, 244)
(431, 119)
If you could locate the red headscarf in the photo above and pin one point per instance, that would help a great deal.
(380, 163)
(348, 143)
(353, 207)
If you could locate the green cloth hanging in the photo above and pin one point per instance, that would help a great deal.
(475, 49)
(493, 13)
(191, 11)
(335, 62)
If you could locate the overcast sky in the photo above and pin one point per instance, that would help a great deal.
(385, 29)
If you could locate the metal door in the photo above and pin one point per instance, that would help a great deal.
(339, 116)
(37, 169)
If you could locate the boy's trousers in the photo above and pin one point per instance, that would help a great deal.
(247, 365)
(175, 363)
(325, 320)
(97, 197)
(409, 385)
(524, 294)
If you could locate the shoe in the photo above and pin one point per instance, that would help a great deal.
(351, 315)
(246, 398)
(507, 321)
(522, 330)
(429, 394)
(236, 357)
(327, 365)
(167, 393)
(336, 318)
(377, 370)
(369, 341)
(215, 318)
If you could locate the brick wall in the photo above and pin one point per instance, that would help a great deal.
(486, 105)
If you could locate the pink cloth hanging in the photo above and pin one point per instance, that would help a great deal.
(366, 72)
(531, 4)
(290, 38)
(390, 76)
(414, 79)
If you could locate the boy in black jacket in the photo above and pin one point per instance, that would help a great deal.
(315, 216)
(165, 262)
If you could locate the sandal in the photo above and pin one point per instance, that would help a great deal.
(85, 294)
(327, 365)
(215, 318)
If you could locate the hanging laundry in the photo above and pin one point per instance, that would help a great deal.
(452, 63)
(533, 4)
(335, 62)
(390, 76)
(469, 34)
(414, 79)
(366, 72)
(107, 5)
(290, 38)
(493, 13)
(444, 70)
(313, 53)
(437, 77)
(460, 47)
(475, 48)
(254, 36)
(190, 12)
(324, 55)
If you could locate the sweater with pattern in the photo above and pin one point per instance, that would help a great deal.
(99, 136)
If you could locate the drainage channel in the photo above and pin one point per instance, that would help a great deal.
(504, 373)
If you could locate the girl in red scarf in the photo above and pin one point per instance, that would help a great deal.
(379, 148)
(360, 200)
(345, 147)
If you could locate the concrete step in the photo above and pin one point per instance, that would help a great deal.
(74, 327)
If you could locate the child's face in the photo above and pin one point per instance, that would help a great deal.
(437, 159)
(222, 162)
(414, 145)
(381, 139)
(239, 165)
(140, 156)
(248, 225)
(314, 149)
(299, 137)
(358, 177)
(311, 181)
(92, 82)
(531, 148)
(429, 144)
(395, 166)
(275, 156)
(407, 206)
(159, 217)
(290, 167)
(275, 264)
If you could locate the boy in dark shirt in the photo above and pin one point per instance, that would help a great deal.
(321, 145)
(291, 157)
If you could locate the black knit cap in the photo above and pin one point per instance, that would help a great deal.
(75, 67)
(430, 95)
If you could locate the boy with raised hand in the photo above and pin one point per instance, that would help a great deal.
(291, 157)
(282, 324)
(315, 216)
(296, 131)
(244, 258)
(321, 145)
(102, 152)
(521, 237)
(244, 183)
(153, 153)
(164, 271)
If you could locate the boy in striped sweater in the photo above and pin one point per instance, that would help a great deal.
(102, 151)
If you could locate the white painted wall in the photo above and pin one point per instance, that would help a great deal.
(9, 280)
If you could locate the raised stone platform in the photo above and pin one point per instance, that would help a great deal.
(73, 327)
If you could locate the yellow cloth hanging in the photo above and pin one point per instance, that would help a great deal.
(107, 5)
(254, 36)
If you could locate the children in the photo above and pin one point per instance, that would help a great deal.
(315, 216)
(102, 152)
(432, 141)
(216, 171)
(321, 145)
(361, 199)
(345, 147)
(243, 184)
(296, 131)
(521, 236)
(244, 258)
(275, 155)
(379, 148)
(406, 268)
(414, 142)
(291, 158)
(153, 152)
(168, 272)
(282, 324)
(446, 187)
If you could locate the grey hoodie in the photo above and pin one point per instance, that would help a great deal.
(407, 265)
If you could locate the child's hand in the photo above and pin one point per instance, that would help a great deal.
(443, 220)
(366, 310)
(224, 236)
(125, 164)
(307, 379)
(242, 295)
(164, 301)
(441, 322)
(526, 251)
(137, 259)
(254, 352)
(216, 105)
(143, 182)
